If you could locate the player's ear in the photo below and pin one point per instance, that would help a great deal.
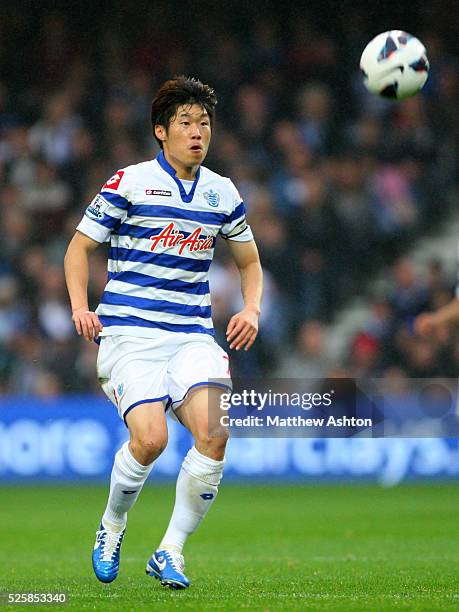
(160, 132)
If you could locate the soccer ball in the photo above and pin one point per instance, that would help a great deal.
(394, 65)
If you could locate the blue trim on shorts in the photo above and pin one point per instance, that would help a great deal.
(144, 401)
(202, 384)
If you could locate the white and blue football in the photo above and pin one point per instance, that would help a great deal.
(394, 65)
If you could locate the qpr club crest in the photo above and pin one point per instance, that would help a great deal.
(212, 198)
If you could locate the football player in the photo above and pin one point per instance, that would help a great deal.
(157, 350)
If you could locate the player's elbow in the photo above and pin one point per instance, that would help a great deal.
(74, 257)
(252, 267)
(69, 256)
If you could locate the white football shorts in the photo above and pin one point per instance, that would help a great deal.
(135, 371)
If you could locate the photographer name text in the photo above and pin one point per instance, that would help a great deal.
(294, 421)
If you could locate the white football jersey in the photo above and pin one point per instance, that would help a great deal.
(162, 233)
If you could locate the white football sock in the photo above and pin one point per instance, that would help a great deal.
(128, 477)
(197, 487)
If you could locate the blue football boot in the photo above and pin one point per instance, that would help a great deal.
(168, 567)
(106, 554)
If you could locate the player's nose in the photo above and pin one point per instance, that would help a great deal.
(195, 132)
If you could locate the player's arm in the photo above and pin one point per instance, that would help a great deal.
(428, 322)
(243, 327)
(76, 265)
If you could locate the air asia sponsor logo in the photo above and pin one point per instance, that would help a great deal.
(170, 237)
(158, 192)
(97, 207)
(114, 182)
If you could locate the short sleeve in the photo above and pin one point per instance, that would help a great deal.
(235, 226)
(109, 208)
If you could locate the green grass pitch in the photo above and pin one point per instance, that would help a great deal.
(322, 547)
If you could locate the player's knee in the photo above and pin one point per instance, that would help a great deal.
(213, 443)
(149, 445)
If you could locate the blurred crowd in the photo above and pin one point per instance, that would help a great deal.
(338, 183)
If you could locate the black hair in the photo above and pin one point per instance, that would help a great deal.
(176, 92)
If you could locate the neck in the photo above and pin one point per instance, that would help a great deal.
(187, 173)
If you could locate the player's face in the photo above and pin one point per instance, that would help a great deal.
(187, 138)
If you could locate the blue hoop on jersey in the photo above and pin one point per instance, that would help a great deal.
(162, 242)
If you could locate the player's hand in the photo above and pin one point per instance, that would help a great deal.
(87, 323)
(425, 324)
(242, 329)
